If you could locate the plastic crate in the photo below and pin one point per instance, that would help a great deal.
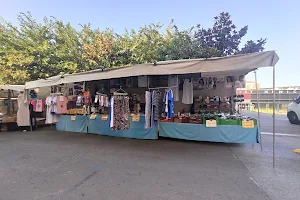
(230, 121)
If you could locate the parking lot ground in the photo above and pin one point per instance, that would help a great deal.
(47, 164)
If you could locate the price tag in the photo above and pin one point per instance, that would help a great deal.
(135, 118)
(104, 117)
(248, 124)
(73, 118)
(93, 116)
(211, 123)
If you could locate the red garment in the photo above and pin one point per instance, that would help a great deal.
(38, 105)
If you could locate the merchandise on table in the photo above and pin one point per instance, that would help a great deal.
(221, 118)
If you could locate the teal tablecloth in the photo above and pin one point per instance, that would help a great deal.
(137, 130)
(66, 124)
(199, 132)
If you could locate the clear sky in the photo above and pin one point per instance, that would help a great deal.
(276, 20)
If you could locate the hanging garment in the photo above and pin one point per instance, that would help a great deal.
(61, 104)
(79, 101)
(169, 103)
(101, 100)
(51, 116)
(238, 84)
(143, 81)
(173, 81)
(96, 98)
(39, 107)
(105, 101)
(121, 113)
(23, 111)
(147, 109)
(156, 98)
(187, 93)
(111, 122)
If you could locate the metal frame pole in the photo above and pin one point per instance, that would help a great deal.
(273, 116)
(258, 110)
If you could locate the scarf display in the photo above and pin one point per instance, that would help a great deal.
(148, 110)
(120, 113)
(156, 98)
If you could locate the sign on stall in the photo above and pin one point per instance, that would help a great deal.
(135, 118)
(93, 116)
(211, 123)
(248, 124)
(73, 117)
(104, 117)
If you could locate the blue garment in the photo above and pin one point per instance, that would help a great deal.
(32, 94)
(169, 103)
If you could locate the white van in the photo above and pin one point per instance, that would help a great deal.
(293, 113)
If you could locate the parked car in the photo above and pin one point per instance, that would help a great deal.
(293, 113)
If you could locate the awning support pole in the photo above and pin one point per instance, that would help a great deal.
(258, 110)
(273, 116)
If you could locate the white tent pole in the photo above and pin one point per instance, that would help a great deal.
(273, 116)
(258, 110)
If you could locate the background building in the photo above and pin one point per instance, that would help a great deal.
(283, 97)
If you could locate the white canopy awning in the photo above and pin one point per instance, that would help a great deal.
(220, 66)
(12, 87)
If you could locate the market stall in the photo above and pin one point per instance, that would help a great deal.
(186, 99)
(9, 106)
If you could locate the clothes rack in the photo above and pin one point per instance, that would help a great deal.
(120, 92)
(162, 88)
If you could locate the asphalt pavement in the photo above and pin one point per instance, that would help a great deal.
(48, 164)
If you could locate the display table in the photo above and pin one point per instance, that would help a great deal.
(199, 132)
(66, 123)
(137, 130)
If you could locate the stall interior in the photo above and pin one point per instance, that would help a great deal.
(188, 98)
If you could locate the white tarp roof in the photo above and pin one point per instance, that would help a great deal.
(220, 66)
(12, 87)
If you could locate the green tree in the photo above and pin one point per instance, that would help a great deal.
(225, 37)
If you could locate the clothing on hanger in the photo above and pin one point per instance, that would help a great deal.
(169, 103)
(148, 109)
(120, 113)
(173, 83)
(156, 98)
(61, 104)
(51, 116)
(38, 105)
(187, 93)
(23, 117)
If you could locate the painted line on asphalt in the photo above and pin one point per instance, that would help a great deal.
(281, 134)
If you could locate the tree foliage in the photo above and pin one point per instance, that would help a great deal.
(34, 50)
